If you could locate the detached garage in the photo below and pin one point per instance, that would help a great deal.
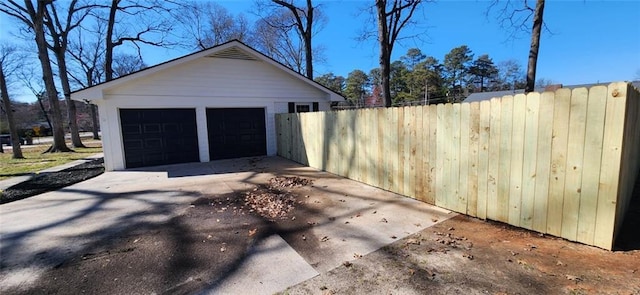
(218, 103)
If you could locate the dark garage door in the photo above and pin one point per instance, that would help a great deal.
(236, 132)
(159, 136)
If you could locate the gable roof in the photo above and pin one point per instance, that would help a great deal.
(480, 96)
(232, 49)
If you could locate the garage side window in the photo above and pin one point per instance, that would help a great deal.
(300, 107)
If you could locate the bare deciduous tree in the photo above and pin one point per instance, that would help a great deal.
(135, 22)
(305, 19)
(33, 17)
(9, 61)
(87, 67)
(59, 27)
(393, 16)
(517, 18)
(206, 24)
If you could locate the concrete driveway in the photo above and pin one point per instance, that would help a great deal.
(42, 232)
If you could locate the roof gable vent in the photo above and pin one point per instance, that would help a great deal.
(233, 53)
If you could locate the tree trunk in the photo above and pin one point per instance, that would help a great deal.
(94, 121)
(108, 56)
(44, 111)
(307, 41)
(535, 46)
(37, 16)
(15, 141)
(385, 61)
(71, 106)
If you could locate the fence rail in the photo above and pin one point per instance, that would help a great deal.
(562, 163)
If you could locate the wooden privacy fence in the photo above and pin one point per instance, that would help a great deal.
(562, 163)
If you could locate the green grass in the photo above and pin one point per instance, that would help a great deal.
(34, 160)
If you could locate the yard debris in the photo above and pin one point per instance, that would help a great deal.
(288, 182)
(270, 203)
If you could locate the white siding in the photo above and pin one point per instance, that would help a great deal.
(229, 79)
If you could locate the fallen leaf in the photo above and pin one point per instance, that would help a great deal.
(252, 232)
(223, 249)
(394, 237)
(574, 278)
(413, 242)
(434, 220)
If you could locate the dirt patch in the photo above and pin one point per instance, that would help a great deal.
(464, 255)
(50, 181)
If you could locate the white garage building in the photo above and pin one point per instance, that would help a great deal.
(218, 103)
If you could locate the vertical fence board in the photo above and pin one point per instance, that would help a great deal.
(575, 156)
(610, 166)
(592, 158)
(409, 152)
(433, 155)
(385, 141)
(504, 166)
(381, 159)
(332, 149)
(530, 159)
(483, 158)
(356, 151)
(559, 141)
(453, 166)
(494, 155)
(474, 133)
(393, 151)
(401, 156)
(441, 156)
(517, 157)
(543, 165)
(420, 135)
(279, 138)
(462, 181)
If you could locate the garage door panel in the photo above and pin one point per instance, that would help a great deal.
(236, 132)
(159, 136)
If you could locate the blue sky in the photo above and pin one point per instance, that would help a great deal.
(590, 41)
